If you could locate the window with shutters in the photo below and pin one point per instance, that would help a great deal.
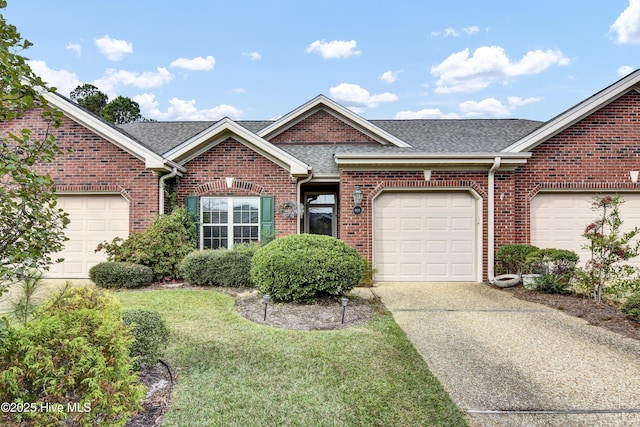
(225, 221)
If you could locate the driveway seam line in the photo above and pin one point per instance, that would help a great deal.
(551, 411)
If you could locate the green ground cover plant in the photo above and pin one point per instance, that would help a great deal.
(233, 372)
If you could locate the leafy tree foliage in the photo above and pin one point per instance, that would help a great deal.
(121, 110)
(31, 224)
(118, 111)
(90, 97)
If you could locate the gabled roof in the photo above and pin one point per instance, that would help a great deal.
(109, 132)
(226, 128)
(576, 113)
(321, 102)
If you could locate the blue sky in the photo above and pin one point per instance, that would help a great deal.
(257, 60)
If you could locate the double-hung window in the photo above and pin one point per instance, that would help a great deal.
(226, 221)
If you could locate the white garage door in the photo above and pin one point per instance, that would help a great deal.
(425, 236)
(558, 220)
(94, 218)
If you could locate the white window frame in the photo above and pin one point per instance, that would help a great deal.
(230, 223)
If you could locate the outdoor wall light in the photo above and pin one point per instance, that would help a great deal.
(344, 308)
(634, 176)
(265, 301)
(357, 200)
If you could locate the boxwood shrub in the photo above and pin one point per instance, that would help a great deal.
(219, 267)
(303, 267)
(113, 274)
(151, 335)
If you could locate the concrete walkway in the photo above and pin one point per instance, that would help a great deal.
(507, 362)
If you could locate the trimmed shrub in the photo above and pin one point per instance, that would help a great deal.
(219, 267)
(558, 268)
(113, 274)
(75, 360)
(303, 267)
(512, 258)
(162, 246)
(151, 335)
(631, 307)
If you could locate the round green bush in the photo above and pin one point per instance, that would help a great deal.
(113, 274)
(631, 307)
(75, 354)
(151, 335)
(219, 267)
(303, 267)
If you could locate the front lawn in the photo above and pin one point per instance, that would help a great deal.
(233, 372)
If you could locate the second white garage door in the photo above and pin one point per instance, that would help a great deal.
(94, 218)
(558, 220)
(426, 236)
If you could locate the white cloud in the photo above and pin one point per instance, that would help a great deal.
(427, 113)
(254, 56)
(113, 49)
(627, 25)
(195, 64)
(334, 49)
(488, 64)
(625, 70)
(75, 48)
(516, 101)
(390, 76)
(451, 32)
(357, 98)
(64, 81)
(147, 80)
(239, 90)
(491, 107)
(471, 30)
(181, 109)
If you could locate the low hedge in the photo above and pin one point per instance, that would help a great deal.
(304, 267)
(151, 335)
(219, 267)
(113, 274)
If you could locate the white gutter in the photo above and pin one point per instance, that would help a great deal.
(298, 188)
(491, 225)
(163, 178)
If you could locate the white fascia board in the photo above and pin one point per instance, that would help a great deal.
(226, 128)
(466, 161)
(576, 113)
(111, 134)
(337, 110)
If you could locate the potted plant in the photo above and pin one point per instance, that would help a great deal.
(512, 262)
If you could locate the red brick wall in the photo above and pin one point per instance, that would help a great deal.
(96, 165)
(322, 127)
(254, 175)
(595, 154)
(356, 230)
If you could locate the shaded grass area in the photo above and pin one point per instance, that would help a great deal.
(233, 372)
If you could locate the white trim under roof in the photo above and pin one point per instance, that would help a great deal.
(322, 102)
(226, 128)
(443, 161)
(74, 112)
(576, 113)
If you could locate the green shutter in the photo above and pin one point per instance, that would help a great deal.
(192, 203)
(267, 230)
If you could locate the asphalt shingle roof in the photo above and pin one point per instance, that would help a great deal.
(424, 136)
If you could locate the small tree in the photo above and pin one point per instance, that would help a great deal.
(31, 224)
(90, 97)
(609, 248)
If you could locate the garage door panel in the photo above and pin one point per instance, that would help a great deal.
(433, 237)
(93, 219)
(558, 220)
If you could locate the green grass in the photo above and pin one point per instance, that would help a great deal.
(233, 372)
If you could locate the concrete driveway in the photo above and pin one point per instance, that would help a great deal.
(507, 362)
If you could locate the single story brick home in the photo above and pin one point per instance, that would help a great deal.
(424, 200)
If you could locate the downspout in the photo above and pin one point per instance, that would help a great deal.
(163, 178)
(491, 220)
(298, 196)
